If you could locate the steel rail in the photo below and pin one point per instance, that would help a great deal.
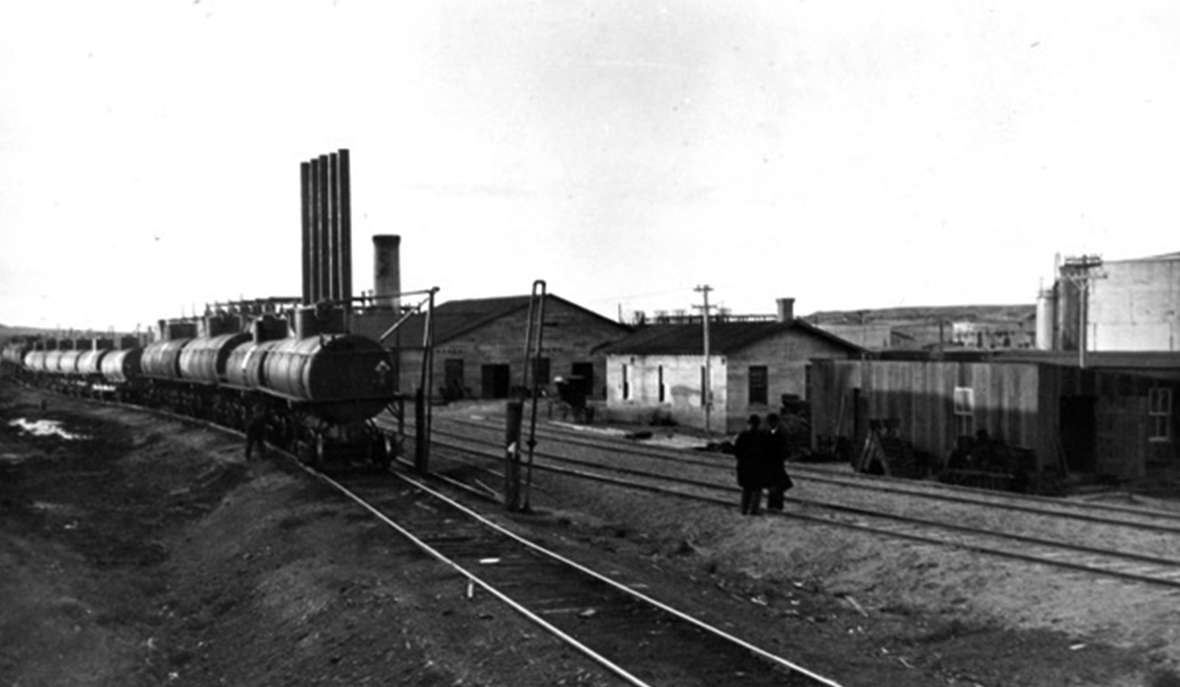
(1092, 569)
(472, 577)
(1005, 501)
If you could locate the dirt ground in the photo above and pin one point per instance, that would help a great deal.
(142, 551)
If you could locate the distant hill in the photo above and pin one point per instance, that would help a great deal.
(927, 314)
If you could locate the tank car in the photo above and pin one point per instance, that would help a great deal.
(121, 366)
(161, 359)
(341, 378)
(204, 359)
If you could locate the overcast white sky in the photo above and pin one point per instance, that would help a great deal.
(852, 154)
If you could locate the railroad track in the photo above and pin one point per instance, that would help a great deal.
(1156, 570)
(1141, 518)
(639, 639)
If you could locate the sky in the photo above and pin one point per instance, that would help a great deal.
(850, 155)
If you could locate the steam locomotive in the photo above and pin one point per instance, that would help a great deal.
(319, 386)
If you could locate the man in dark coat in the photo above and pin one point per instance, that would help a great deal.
(256, 429)
(777, 447)
(749, 451)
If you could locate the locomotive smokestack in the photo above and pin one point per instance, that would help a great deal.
(344, 209)
(387, 280)
(305, 217)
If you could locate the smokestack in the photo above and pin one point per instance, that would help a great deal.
(317, 288)
(387, 279)
(325, 251)
(305, 216)
(345, 223)
(786, 309)
(333, 228)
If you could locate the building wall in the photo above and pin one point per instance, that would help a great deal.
(1136, 307)
(786, 358)
(571, 336)
(682, 388)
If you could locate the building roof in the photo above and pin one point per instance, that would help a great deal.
(456, 318)
(724, 337)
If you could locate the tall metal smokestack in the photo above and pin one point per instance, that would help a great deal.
(387, 278)
(305, 218)
(317, 246)
(333, 231)
(325, 265)
(345, 210)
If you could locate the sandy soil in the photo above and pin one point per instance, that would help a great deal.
(149, 553)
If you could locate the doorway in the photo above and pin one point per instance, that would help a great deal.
(495, 381)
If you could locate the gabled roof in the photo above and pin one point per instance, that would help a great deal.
(724, 338)
(456, 318)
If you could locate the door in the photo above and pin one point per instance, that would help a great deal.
(495, 381)
(453, 379)
(584, 373)
(1077, 432)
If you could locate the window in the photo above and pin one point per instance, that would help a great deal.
(1159, 412)
(964, 399)
(758, 385)
(626, 385)
(660, 373)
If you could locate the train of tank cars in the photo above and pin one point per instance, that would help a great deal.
(320, 387)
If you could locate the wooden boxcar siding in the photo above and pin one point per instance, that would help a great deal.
(921, 396)
(682, 383)
(571, 335)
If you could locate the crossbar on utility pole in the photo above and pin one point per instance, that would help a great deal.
(706, 392)
(1078, 272)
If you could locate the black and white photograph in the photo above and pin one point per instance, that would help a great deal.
(525, 344)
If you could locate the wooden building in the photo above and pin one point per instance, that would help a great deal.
(1117, 416)
(659, 371)
(479, 346)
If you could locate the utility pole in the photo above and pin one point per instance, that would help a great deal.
(1078, 272)
(706, 391)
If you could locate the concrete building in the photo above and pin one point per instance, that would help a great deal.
(1125, 305)
(479, 345)
(659, 372)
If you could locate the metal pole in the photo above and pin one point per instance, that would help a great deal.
(538, 295)
(706, 383)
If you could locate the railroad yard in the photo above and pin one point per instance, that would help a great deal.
(143, 550)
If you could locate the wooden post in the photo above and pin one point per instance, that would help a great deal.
(514, 414)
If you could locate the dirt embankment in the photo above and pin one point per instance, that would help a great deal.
(145, 552)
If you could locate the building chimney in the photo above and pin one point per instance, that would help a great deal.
(786, 309)
(387, 279)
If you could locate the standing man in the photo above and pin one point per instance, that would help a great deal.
(777, 479)
(256, 429)
(749, 451)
